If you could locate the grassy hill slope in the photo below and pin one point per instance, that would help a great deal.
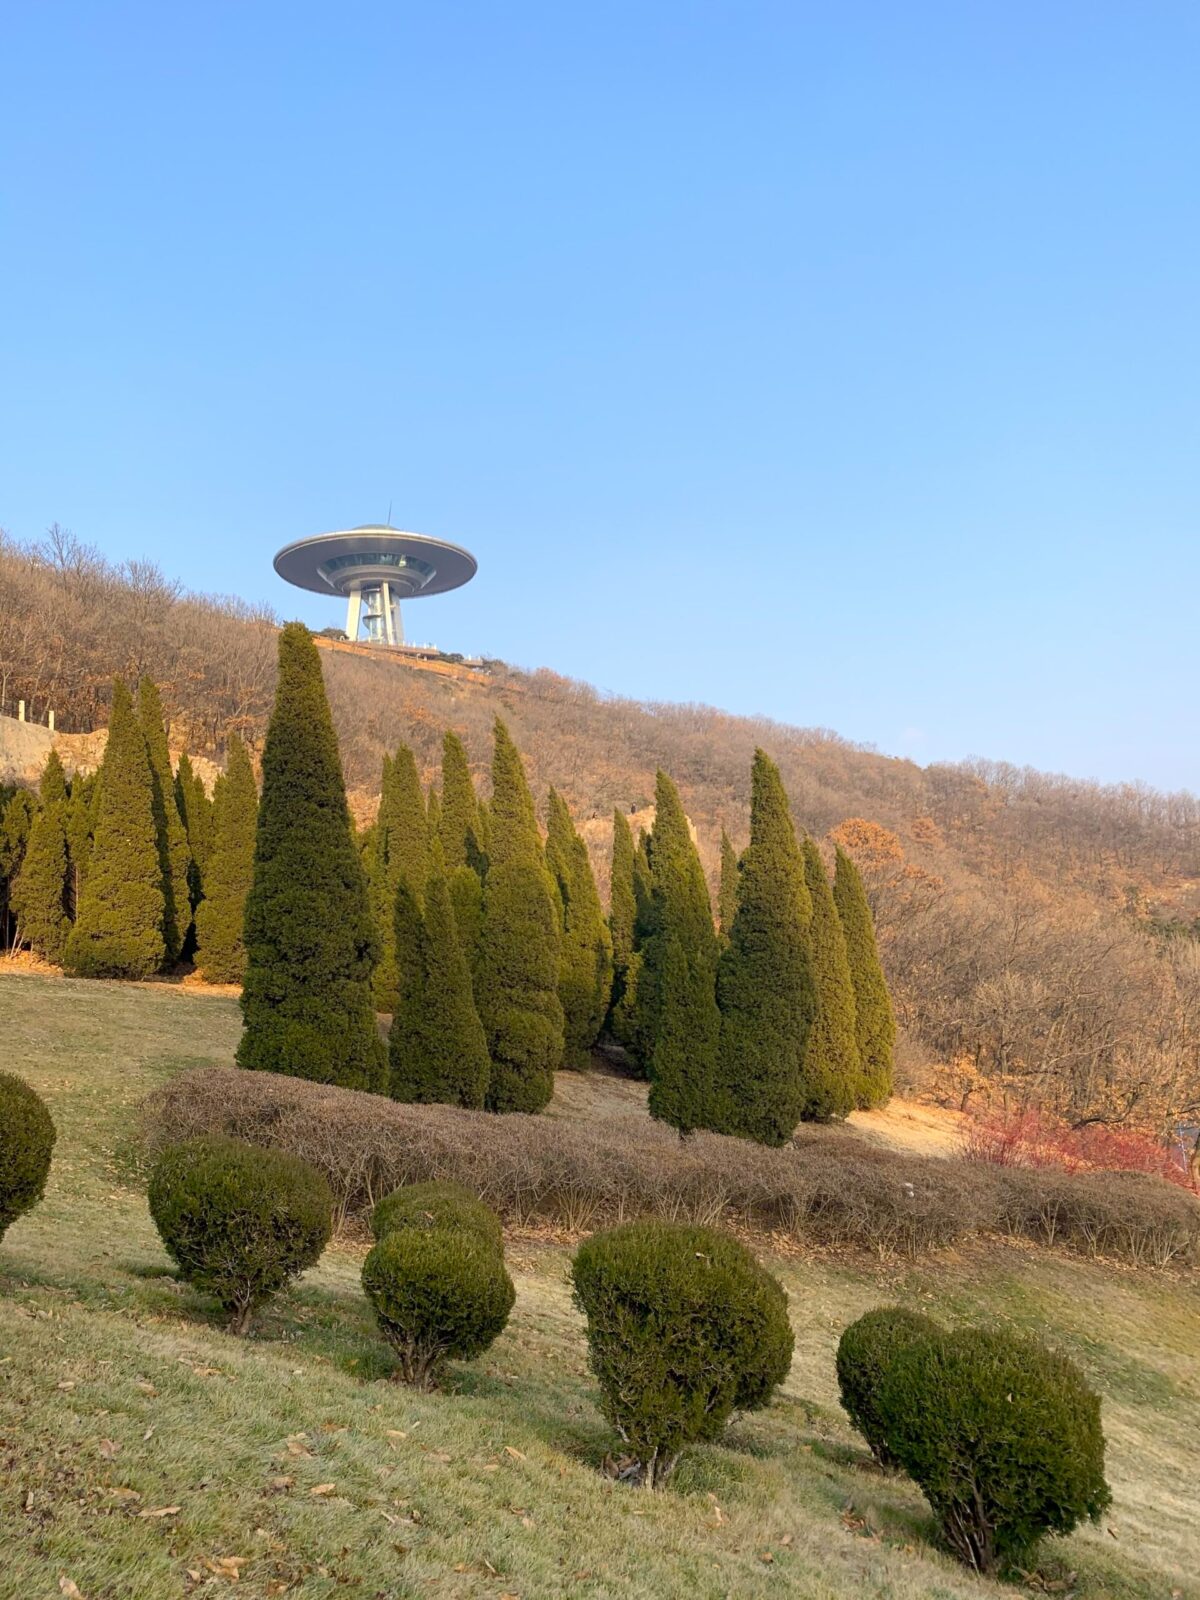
(146, 1454)
(1037, 931)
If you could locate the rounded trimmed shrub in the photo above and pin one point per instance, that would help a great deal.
(864, 1354)
(27, 1136)
(239, 1221)
(1002, 1435)
(437, 1205)
(439, 1294)
(684, 1328)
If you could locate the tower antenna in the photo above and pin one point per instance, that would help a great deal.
(389, 520)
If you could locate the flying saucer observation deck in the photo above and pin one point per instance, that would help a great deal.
(375, 568)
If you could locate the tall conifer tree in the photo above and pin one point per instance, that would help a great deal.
(17, 811)
(221, 915)
(401, 852)
(874, 1019)
(727, 895)
(199, 824)
(82, 804)
(622, 923)
(437, 1046)
(460, 829)
(516, 973)
(643, 889)
(118, 930)
(173, 849)
(765, 986)
(678, 1022)
(586, 962)
(40, 892)
(311, 944)
(831, 1066)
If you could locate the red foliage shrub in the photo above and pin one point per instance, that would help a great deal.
(1028, 1138)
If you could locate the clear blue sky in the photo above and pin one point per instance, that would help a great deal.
(839, 362)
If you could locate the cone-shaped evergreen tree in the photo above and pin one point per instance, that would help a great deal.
(765, 984)
(311, 944)
(401, 852)
(221, 915)
(516, 971)
(173, 849)
(727, 894)
(586, 962)
(678, 1021)
(460, 829)
(622, 923)
(831, 1067)
(643, 890)
(405, 1038)
(199, 823)
(39, 894)
(875, 1024)
(438, 1049)
(17, 811)
(118, 930)
(82, 805)
(433, 813)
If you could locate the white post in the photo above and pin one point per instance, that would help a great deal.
(20, 711)
(50, 719)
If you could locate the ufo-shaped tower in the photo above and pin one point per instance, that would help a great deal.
(375, 568)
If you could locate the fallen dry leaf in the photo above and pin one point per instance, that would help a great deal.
(109, 1449)
(226, 1566)
(146, 1388)
(323, 1488)
(68, 1383)
(160, 1511)
(68, 1586)
(517, 1455)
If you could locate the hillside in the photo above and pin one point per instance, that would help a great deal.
(147, 1454)
(1025, 919)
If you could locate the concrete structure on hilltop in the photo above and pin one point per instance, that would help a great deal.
(375, 568)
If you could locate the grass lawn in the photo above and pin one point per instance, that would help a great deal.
(146, 1453)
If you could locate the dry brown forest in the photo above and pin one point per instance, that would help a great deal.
(1037, 930)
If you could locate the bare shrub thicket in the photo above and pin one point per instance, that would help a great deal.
(70, 621)
(1128, 1216)
(828, 1188)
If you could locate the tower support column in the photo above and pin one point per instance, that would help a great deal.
(390, 613)
(354, 612)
